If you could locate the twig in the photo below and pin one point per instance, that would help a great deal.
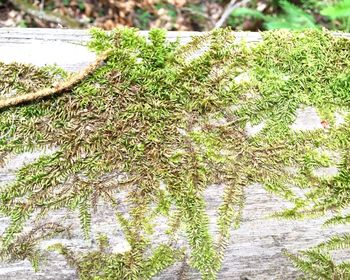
(50, 91)
(194, 12)
(42, 5)
(45, 16)
(228, 10)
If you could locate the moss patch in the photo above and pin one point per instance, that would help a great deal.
(165, 120)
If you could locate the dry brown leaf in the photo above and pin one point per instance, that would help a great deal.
(178, 3)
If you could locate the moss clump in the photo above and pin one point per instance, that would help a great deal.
(163, 116)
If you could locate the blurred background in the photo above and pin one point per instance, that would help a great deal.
(179, 15)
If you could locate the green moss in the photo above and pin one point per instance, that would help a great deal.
(162, 118)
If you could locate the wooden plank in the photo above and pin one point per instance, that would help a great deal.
(67, 48)
(255, 250)
(64, 47)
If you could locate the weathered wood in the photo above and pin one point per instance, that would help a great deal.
(63, 47)
(255, 250)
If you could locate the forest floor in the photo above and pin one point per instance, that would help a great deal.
(180, 15)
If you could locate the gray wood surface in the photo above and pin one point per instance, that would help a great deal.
(255, 250)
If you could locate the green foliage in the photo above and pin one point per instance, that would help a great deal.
(22, 24)
(341, 9)
(338, 13)
(292, 17)
(81, 5)
(197, 15)
(172, 124)
(247, 12)
(143, 18)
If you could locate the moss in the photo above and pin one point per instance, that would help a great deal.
(162, 118)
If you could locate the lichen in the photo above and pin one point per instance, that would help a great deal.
(167, 123)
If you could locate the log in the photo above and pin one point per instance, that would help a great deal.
(256, 248)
